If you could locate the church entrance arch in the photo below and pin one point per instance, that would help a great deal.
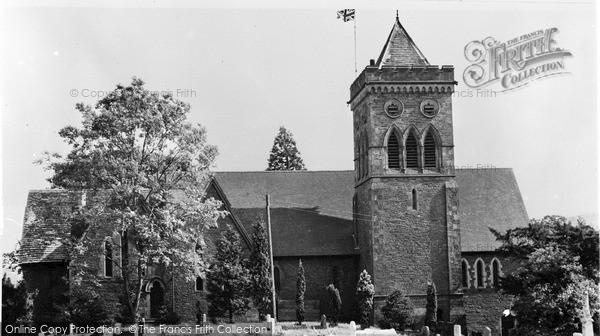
(157, 297)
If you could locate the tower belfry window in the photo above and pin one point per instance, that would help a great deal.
(393, 148)
(412, 155)
(429, 154)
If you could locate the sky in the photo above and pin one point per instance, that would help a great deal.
(247, 68)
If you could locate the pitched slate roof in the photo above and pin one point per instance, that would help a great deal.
(45, 228)
(311, 211)
(489, 198)
(399, 49)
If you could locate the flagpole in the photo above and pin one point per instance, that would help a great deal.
(355, 67)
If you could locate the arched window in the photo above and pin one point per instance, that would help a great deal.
(412, 154)
(429, 152)
(199, 284)
(415, 201)
(393, 151)
(277, 276)
(366, 157)
(495, 271)
(360, 158)
(108, 259)
(465, 273)
(480, 273)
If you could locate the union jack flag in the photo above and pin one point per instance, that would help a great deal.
(346, 15)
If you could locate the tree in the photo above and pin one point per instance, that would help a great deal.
(14, 302)
(558, 267)
(364, 297)
(431, 306)
(145, 167)
(398, 311)
(260, 268)
(335, 304)
(300, 290)
(228, 278)
(284, 153)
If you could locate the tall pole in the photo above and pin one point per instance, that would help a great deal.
(268, 209)
(355, 67)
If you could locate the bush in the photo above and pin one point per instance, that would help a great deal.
(398, 312)
(335, 304)
(167, 316)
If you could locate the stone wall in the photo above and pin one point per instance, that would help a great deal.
(484, 306)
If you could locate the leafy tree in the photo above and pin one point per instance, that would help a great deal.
(14, 301)
(228, 278)
(335, 304)
(431, 306)
(398, 311)
(300, 290)
(145, 167)
(558, 267)
(260, 268)
(364, 297)
(284, 153)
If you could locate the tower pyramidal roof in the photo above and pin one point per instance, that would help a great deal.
(399, 49)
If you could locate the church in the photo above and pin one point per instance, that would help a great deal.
(405, 213)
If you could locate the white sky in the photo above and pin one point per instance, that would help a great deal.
(256, 67)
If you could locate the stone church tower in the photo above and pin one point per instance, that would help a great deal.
(406, 198)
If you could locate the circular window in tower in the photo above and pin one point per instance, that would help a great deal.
(429, 107)
(393, 108)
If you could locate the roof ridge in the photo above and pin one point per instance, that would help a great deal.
(284, 171)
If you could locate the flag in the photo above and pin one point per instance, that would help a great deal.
(346, 15)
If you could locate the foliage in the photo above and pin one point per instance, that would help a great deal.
(558, 267)
(166, 315)
(335, 304)
(10, 261)
(85, 307)
(260, 268)
(300, 290)
(397, 312)
(284, 153)
(228, 278)
(431, 306)
(14, 302)
(145, 168)
(364, 297)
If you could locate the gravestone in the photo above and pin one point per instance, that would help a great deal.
(425, 331)
(323, 322)
(457, 330)
(487, 331)
(352, 328)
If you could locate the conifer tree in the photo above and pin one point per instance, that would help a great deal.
(300, 290)
(364, 297)
(284, 153)
(260, 268)
(431, 306)
(228, 278)
(397, 312)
